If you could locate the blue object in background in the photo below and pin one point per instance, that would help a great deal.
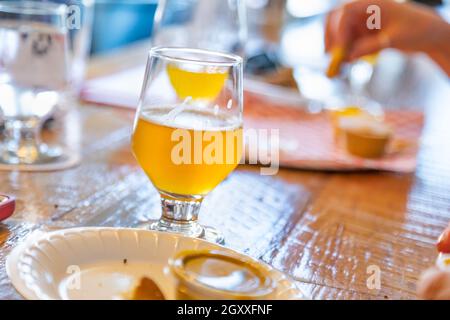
(120, 22)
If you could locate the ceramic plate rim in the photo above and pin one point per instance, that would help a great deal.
(16, 254)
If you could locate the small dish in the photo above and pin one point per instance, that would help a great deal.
(215, 274)
(106, 263)
(7, 206)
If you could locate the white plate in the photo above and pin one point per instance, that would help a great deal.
(104, 263)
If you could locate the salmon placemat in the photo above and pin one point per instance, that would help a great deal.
(307, 141)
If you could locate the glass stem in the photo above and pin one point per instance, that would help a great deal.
(180, 215)
(21, 140)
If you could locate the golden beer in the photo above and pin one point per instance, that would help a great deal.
(200, 84)
(187, 133)
(182, 160)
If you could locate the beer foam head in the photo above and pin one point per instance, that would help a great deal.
(194, 117)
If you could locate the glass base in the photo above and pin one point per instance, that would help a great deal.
(42, 155)
(189, 229)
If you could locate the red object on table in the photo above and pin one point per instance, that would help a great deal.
(443, 244)
(7, 206)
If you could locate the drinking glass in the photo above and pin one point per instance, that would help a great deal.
(33, 76)
(80, 16)
(205, 24)
(187, 134)
(79, 23)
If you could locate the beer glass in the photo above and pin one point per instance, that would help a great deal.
(187, 134)
(205, 24)
(33, 76)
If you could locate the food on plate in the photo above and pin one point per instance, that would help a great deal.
(147, 289)
(364, 136)
(213, 274)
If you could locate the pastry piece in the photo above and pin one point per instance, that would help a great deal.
(346, 112)
(365, 137)
(337, 58)
(147, 290)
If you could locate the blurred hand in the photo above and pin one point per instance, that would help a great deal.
(407, 27)
(434, 284)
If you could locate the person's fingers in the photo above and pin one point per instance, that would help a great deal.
(434, 284)
(329, 22)
(349, 22)
(368, 45)
(444, 294)
(341, 32)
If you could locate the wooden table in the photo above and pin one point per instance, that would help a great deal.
(323, 229)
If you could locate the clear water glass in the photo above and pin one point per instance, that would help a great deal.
(33, 77)
(219, 25)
